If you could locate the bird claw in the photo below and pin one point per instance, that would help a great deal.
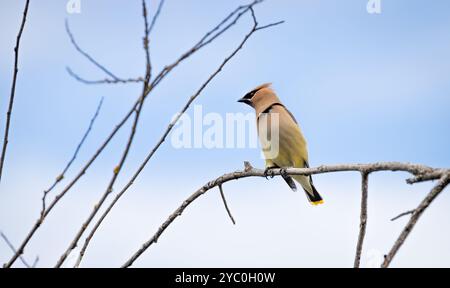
(269, 172)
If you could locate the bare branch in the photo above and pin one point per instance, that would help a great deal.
(35, 262)
(428, 176)
(164, 72)
(148, 74)
(74, 156)
(155, 17)
(114, 80)
(226, 205)
(13, 88)
(249, 171)
(104, 81)
(118, 168)
(148, 30)
(420, 173)
(363, 218)
(86, 55)
(437, 189)
(59, 196)
(403, 214)
(162, 139)
(46, 210)
(13, 249)
(208, 38)
(270, 25)
(108, 191)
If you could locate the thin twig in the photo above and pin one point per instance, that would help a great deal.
(155, 17)
(105, 195)
(413, 169)
(148, 74)
(104, 81)
(13, 88)
(118, 168)
(209, 37)
(35, 262)
(428, 176)
(59, 196)
(363, 218)
(160, 76)
(225, 20)
(437, 189)
(403, 214)
(86, 55)
(74, 156)
(270, 25)
(13, 249)
(114, 80)
(49, 208)
(226, 204)
(161, 140)
(247, 166)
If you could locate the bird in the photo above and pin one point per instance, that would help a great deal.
(283, 145)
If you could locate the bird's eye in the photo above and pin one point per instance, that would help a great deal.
(249, 95)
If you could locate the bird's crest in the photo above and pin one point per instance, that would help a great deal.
(265, 85)
(250, 94)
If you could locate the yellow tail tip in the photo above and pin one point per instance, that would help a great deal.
(317, 202)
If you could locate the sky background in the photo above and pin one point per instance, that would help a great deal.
(364, 88)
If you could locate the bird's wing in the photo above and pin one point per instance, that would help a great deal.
(290, 133)
(290, 114)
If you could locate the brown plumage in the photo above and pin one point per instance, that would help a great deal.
(281, 139)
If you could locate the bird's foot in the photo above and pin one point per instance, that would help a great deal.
(268, 172)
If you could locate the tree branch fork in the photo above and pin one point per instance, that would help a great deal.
(149, 83)
(419, 173)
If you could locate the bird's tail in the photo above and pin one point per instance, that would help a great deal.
(311, 192)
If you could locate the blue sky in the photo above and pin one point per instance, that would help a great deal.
(364, 88)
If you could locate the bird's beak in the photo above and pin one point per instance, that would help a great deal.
(245, 100)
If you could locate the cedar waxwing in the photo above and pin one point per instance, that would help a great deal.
(276, 124)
